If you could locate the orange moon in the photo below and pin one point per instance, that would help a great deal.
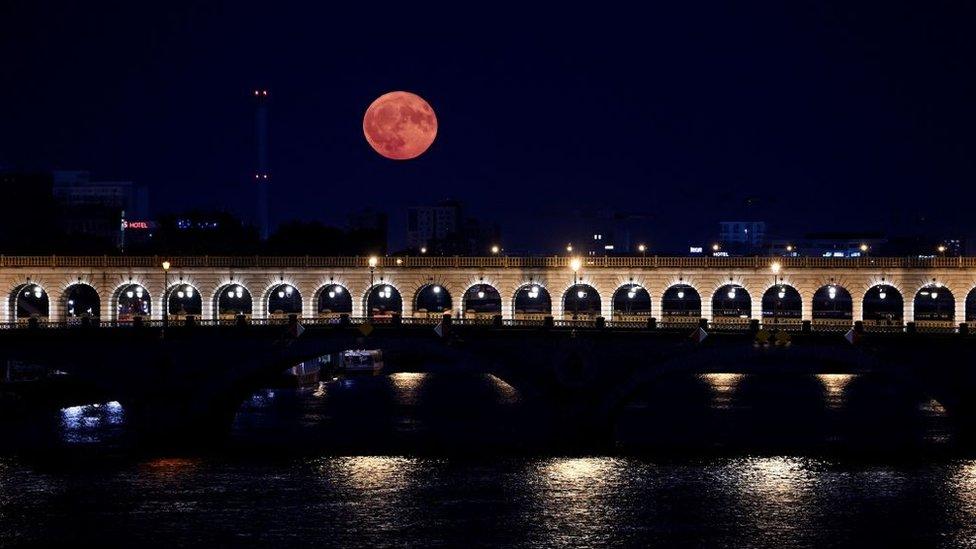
(400, 125)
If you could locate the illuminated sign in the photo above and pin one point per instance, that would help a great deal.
(695, 249)
(136, 225)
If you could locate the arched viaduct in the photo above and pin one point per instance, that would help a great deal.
(831, 292)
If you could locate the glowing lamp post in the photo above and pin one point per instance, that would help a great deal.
(642, 249)
(495, 249)
(575, 264)
(166, 265)
(775, 268)
(372, 267)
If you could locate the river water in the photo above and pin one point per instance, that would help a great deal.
(466, 460)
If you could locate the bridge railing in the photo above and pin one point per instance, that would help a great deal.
(528, 262)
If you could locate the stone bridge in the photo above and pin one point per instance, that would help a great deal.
(937, 292)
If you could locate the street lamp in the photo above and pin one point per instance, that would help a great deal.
(166, 265)
(495, 249)
(373, 260)
(569, 248)
(642, 249)
(942, 249)
(423, 249)
(864, 248)
(575, 264)
(775, 267)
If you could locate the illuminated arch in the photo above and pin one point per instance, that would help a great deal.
(883, 305)
(832, 304)
(183, 299)
(631, 301)
(383, 300)
(433, 299)
(581, 302)
(29, 300)
(481, 300)
(731, 301)
(681, 302)
(284, 299)
(232, 299)
(934, 304)
(131, 300)
(80, 299)
(531, 301)
(782, 303)
(332, 300)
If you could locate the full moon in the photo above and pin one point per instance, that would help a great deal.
(400, 125)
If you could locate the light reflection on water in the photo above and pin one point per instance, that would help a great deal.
(723, 387)
(408, 386)
(834, 386)
(89, 423)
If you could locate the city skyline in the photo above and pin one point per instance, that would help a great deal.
(837, 127)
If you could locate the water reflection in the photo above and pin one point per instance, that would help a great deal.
(834, 386)
(367, 473)
(575, 500)
(723, 388)
(90, 422)
(504, 393)
(407, 387)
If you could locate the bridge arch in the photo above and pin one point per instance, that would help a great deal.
(782, 304)
(681, 304)
(29, 300)
(631, 301)
(183, 299)
(883, 306)
(284, 299)
(971, 305)
(432, 299)
(581, 302)
(531, 302)
(80, 299)
(383, 300)
(833, 305)
(132, 300)
(332, 300)
(731, 304)
(935, 306)
(481, 300)
(232, 299)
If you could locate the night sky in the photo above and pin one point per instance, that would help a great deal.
(809, 116)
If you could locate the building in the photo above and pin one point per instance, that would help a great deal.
(750, 234)
(443, 230)
(833, 244)
(98, 209)
(607, 232)
(427, 226)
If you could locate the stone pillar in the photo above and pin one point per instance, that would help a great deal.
(54, 308)
(606, 305)
(407, 305)
(706, 307)
(259, 304)
(557, 304)
(857, 306)
(359, 300)
(960, 309)
(756, 308)
(309, 304)
(908, 307)
(806, 306)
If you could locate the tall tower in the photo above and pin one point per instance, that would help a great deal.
(261, 176)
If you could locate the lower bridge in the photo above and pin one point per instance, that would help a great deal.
(185, 381)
